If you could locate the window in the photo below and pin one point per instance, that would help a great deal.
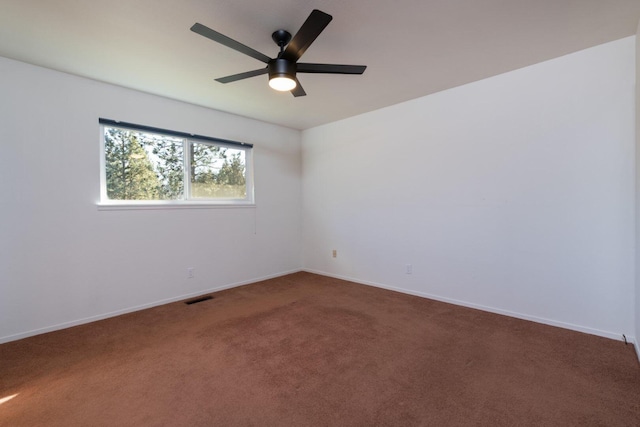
(145, 165)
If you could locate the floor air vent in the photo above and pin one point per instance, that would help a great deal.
(199, 299)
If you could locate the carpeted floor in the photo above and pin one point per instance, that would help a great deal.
(307, 350)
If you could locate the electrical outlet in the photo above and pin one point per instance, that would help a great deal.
(408, 269)
(334, 253)
(190, 273)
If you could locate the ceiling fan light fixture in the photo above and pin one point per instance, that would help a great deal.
(283, 68)
(283, 84)
(282, 74)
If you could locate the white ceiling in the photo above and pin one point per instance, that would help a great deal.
(411, 47)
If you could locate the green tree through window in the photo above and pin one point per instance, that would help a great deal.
(213, 176)
(130, 174)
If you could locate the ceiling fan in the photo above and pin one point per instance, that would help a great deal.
(283, 68)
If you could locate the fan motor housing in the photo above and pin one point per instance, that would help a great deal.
(282, 68)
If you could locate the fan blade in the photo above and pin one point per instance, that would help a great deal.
(310, 30)
(298, 91)
(241, 76)
(330, 68)
(228, 42)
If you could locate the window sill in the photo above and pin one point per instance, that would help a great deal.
(117, 206)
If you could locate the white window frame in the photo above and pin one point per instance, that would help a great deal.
(107, 204)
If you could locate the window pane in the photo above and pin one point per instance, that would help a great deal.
(217, 172)
(167, 156)
(143, 166)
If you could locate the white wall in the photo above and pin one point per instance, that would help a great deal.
(514, 194)
(62, 261)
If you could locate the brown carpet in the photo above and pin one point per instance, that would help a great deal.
(307, 350)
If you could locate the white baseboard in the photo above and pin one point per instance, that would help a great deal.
(606, 334)
(90, 319)
(578, 328)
